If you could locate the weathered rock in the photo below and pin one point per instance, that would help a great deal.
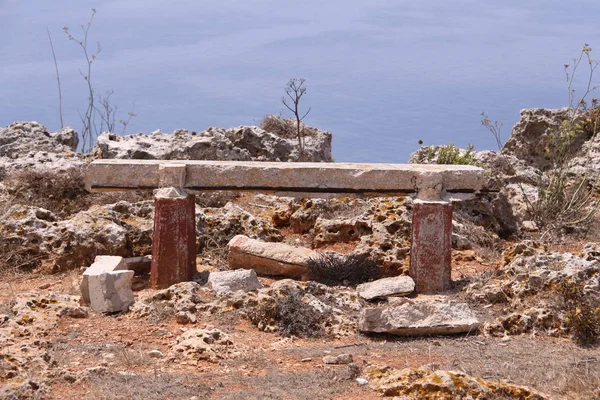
(230, 281)
(26, 362)
(533, 134)
(101, 265)
(386, 287)
(122, 229)
(20, 138)
(215, 227)
(339, 359)
(334, 307)
(529, 285)
(111, 291)
(419, 317)
(241, 143)
(182, 297)
(277, 259)
(340, 231)
(427, 383)
(204, 344)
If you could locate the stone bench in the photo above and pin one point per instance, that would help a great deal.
(434, 187)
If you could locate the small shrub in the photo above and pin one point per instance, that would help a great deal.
(335, 269)
(285, 127)
(450, 154)
(62, 192)
(582, 312)
(290, 314)
(16, 259)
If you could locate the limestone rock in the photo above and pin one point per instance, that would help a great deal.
(277, 259)
(20, 138)
(339, 359)
(181, 297)
(111, 291)
(419, 317)
(204, 344)
(531, 135)
(396, 286)
(101, 265)
(427, 383)
(122, 229)
(244, 143)
(230, 281)
(215, 227)
(26, 361)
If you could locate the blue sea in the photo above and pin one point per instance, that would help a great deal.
(381, 74)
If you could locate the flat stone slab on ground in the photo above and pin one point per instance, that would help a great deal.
(231, 281)
(395, 286)
(111, 291)
(266, 258)
(419, 317)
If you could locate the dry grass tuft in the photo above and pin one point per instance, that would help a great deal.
(62, 192)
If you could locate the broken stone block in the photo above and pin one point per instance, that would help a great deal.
(231, 281)
(101, 265)
(266, 258)
(396, 286)
(419, 317)
(111, 291)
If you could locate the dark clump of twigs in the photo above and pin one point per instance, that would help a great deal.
(332, 268)
(291, 316)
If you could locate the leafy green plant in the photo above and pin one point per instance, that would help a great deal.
(450, 154)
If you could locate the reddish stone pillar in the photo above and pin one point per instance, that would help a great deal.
(431, 248)
(174, 239)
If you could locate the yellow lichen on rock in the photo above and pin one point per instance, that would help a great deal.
(427, 383)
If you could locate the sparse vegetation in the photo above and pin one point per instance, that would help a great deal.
(99, 114)
(582, 311)
(62, 192)
(452, 155)
(290, 314)
(564, 200)
(294, 90)
(348, 270)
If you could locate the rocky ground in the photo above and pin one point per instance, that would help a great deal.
(515, 300)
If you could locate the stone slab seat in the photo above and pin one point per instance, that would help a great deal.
(434, 186)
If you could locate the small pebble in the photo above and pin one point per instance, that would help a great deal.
(361, 381)
(155, 354)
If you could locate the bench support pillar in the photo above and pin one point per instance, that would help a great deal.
(174, 238)
(431, 248)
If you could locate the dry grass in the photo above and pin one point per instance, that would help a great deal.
(290, 314)
(285, 127)
(156, 386)
(61, 192)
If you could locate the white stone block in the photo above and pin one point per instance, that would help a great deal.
(111, 291)
(101, 265)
